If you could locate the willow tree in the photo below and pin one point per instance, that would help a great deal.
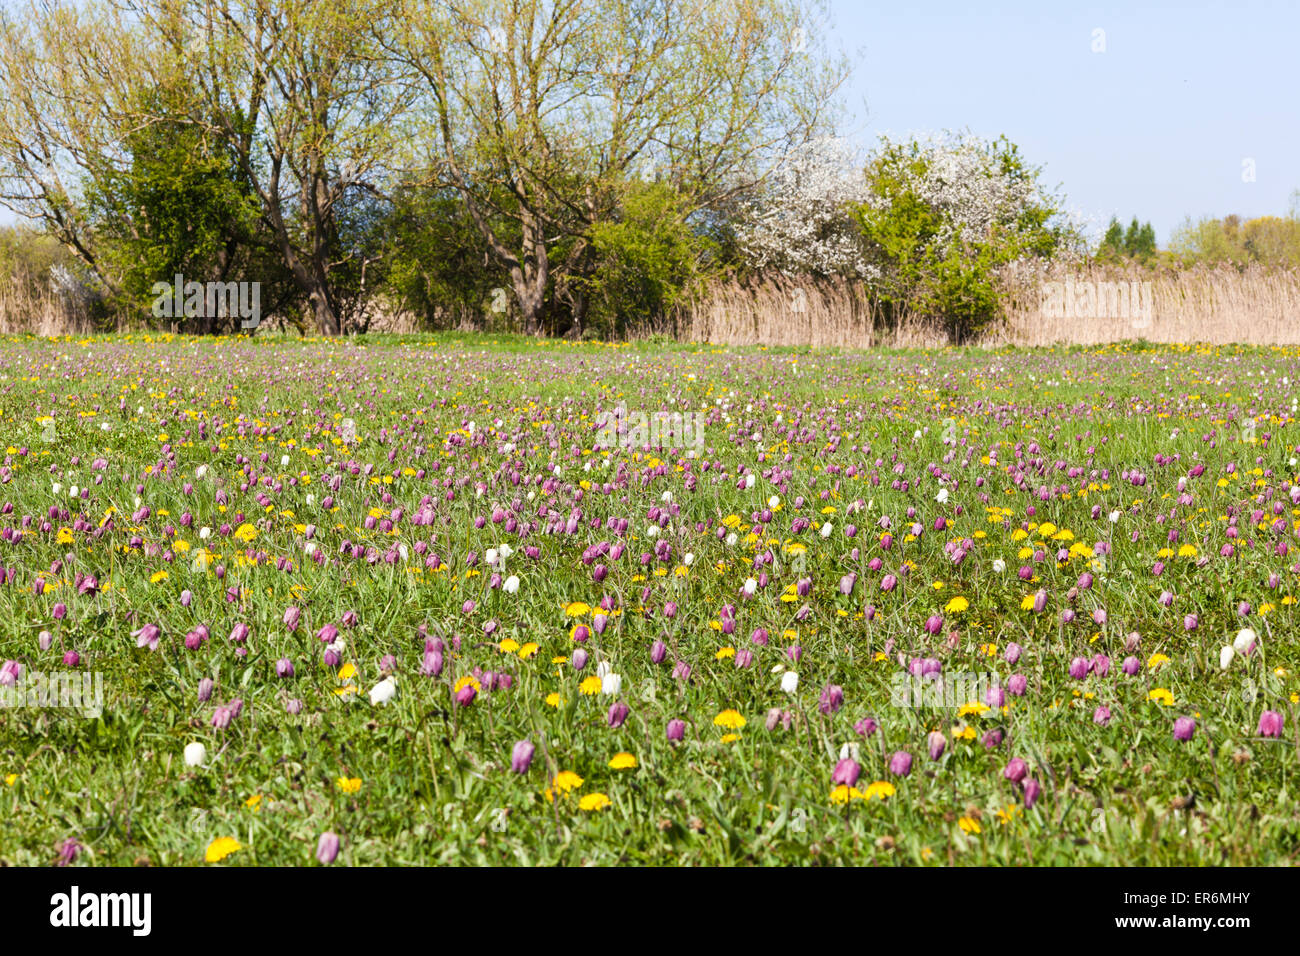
(69, 76)
(296, 92)
(299, 92)
(538, 113)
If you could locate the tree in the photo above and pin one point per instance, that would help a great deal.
(301, 93)
(537, 112)
(287, 127)
(69, 89)
(1145, 247)
(438, 266)
(944, 215)
(645, 260)
(179, 207)
(1273, 240)
(297, 94)
(1118, 245)
(801, 219)
(1140, 241)
(1112, 243)
(1268, 240)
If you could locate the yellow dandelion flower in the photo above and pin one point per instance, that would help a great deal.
(622, 761)
(593, 802)
(528, 651)
(349, 784)
(1156, 660)
(347, 671)
(220, 848)
(880, 789)
(576, 609)
(566, 781)
(590, 685)
(730, 738)
(1162, 695)
(553, 700)
(469, 680)
(957, 605)
(969, 825)
(245, 533)
(731, 719)
(508, 646)
(843, 793)
(725, 653)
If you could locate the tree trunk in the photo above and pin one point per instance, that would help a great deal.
(530, 277)
(327, 320)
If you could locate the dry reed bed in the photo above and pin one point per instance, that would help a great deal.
(1213, 305)
(1217, 305)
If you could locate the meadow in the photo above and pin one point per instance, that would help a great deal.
(385, 600)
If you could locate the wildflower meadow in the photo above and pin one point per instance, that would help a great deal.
(507, 600)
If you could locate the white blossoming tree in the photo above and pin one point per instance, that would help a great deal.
(801, 220)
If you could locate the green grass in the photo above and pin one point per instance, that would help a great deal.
(436, 784)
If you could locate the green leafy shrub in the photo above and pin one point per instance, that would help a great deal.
(944, 216)
(645, 259)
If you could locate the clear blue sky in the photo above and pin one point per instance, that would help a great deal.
(1157, 126)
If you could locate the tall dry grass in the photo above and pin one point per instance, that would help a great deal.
(27, 308)
(1214, 305)
(802, 311)
(1203, 304)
